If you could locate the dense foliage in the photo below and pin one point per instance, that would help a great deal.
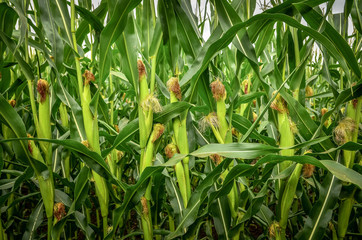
(127, 121)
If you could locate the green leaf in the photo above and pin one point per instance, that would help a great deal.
(20, 7)
(139, 187)
(186, 34)
(356, 15)
(111, 32)
(306, 126)
(81, 222)
(61, 17)
(235, 150)
(127, 46)
(26, 69)
(83, 30)
(35, 219)
(9, 116)
(242, 124)
(344, 53)
(51, 31)
(7, 24)
(343, 173)
(197, 198)
(124, 135)
(321, 213)
(171, 111)
(76, 111)
(92, 19)
(248, 98)
(169, 29)
(81, 188)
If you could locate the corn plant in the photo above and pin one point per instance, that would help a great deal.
(180, 119)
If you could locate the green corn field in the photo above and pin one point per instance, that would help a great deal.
(180, 119)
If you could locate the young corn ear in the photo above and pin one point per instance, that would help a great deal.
(64, 115)
(344, 213)
(219, 94)
(147, 160)
(343, 133)
(44, 116)
(286, 128)
(288, 197)
(34, 150)
(245, 87)
(223, 134)
(46, 183)
(328, 122)
(91, 129)
(347, 130)
(180, 133)
(151, 146)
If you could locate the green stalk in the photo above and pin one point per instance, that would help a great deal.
(294, 32)
(64, 115)
(184, 149)
(7, 134)
(32, 104)
(3, 235)
(153, 73)
(288, 197)
(90, 124)
(65, 123)
(76, 58)
(348, 131)
(344, 213)
(149, 155)
(91, 129)
(45, 132)
(286, 189)
(219, 94)
(145, 115)
(180, 133)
